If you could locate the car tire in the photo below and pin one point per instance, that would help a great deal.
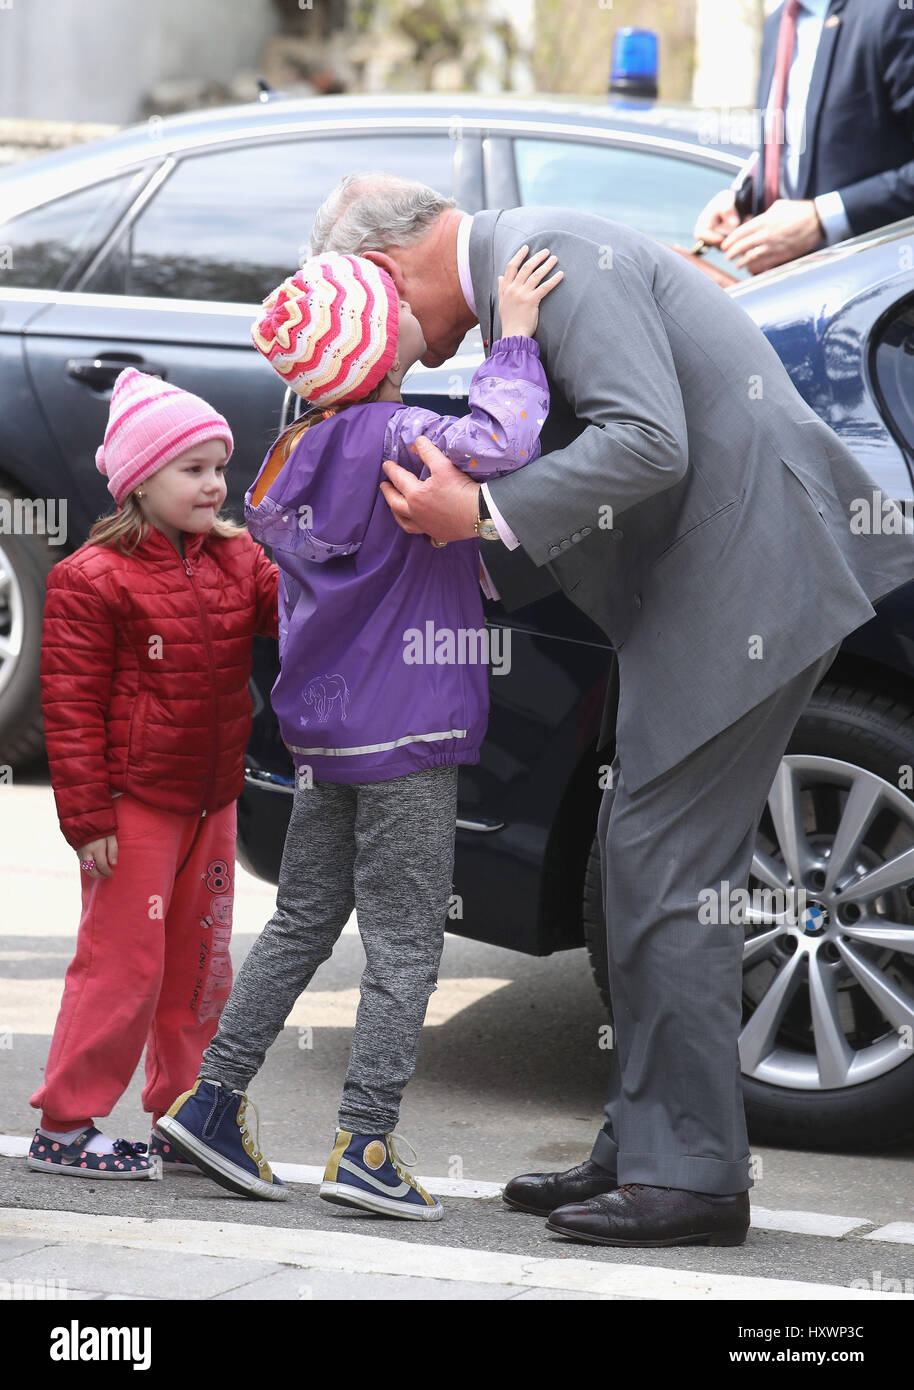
(24, 564)
(873, 731)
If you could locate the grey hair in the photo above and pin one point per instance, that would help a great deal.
(372, 210)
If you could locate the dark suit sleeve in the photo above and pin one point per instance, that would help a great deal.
(889, 196)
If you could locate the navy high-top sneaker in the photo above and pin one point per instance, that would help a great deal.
(365, 1171)
(208, 1125)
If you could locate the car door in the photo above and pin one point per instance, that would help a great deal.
(177, 286)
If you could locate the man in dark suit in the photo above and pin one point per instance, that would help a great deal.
(836, 85)
(692, 520)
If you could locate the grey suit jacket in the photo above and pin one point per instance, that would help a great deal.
(687, 498)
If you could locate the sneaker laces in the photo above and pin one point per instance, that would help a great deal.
(253, 1140)
(397, 1159)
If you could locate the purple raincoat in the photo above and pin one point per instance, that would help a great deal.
(382, 639)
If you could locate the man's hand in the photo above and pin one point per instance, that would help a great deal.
(718, 219)
(788, 229)
(445, 506)
(104, 852)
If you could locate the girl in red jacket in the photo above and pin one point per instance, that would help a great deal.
(146, 657)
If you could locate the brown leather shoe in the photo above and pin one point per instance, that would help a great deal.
(541, 1193)
(637, 1214)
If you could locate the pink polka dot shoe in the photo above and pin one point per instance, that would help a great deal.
(172, 1160)
(125, 1160)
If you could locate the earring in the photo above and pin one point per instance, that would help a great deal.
(139, 494)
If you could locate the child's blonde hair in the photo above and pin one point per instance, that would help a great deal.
(127, 527)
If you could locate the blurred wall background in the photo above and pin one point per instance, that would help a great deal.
(727, 44)
(67, 60)
(120, 60)
(573, 42)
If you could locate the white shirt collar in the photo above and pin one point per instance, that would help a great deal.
(463, 261)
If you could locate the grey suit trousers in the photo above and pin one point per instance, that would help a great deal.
(674, 1112)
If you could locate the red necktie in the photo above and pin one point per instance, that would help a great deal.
(774, 134)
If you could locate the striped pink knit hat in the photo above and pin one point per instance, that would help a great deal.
(330, 330)
(149, 424)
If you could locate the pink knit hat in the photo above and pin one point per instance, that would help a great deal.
(149, 424)
(330, 330)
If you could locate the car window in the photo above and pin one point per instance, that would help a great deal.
(658, 194)
(39, 247)
(228, 225)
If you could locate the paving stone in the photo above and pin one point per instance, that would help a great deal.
(12, 1246)
(540, 1294)
(319, 1284)
(130, 1272)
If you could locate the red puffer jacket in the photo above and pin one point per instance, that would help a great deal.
(145, 666)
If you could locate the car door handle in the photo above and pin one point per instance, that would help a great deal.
(101, 372)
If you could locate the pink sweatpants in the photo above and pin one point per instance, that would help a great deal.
(152, 966)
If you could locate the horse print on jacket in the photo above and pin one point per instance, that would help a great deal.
(321, 693)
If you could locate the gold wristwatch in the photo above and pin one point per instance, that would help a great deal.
(485, 527)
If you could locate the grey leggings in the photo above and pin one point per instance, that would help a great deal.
(387, 849)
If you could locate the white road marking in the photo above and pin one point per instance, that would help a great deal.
(356, 1254)
(64, 928)
(31, 1006)
(807, 1223)
(34, 955)
(902, 1232)
(337, 1008)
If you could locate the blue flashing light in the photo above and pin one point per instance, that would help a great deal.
(636, 59)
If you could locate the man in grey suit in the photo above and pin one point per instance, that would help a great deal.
(692, 504)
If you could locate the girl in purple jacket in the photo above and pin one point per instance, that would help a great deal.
(382, 693)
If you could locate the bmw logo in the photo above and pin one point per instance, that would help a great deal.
(814, 920)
